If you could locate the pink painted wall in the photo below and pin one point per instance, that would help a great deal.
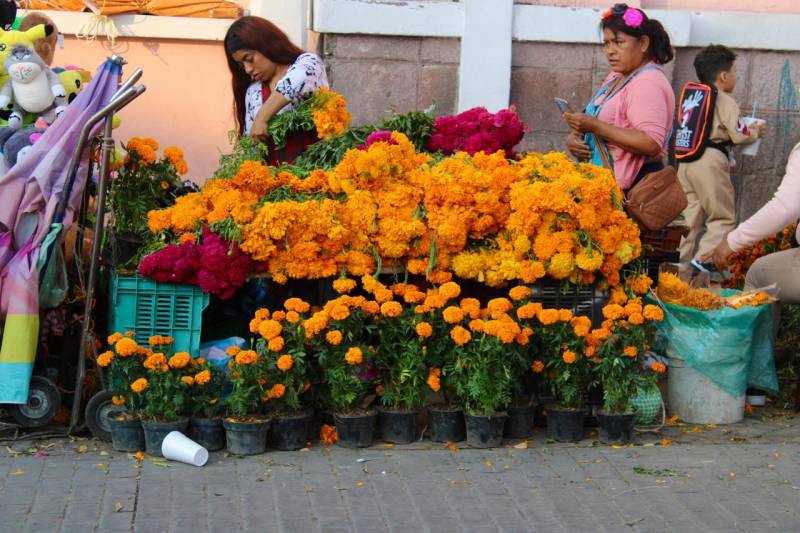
(759, 6)
(188, 98)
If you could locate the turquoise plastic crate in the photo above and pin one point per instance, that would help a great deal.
(151, 308)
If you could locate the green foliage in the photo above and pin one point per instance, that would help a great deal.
(204, 400)
(165, 399)
(400, 353)
(295, 379)
(787, 356)
(483, 375)
(294, 120)
(248, 387)
(244, 149)
(568, 381)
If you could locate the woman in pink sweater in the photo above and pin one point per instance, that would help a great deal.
(782, 268)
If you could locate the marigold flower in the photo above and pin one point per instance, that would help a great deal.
(118, 400)
(262, 314)
(139, 386)
(203, 378)
(653, 312)
(354, 356)
(285, 362)
(189, 380)
(334, 337)
(450, 290)
(460, 335)
(424, 330)
(581, 325)
(453, 314)
(434, 382)
(277, 391)
(296, 304)
(340, 312)
(601, 333)
(630, 351)
(477, 325)
(471, 306)
(548, 317)
(519, 292)
(278, 315)
(379, 390)
(636, 319)
(564, 315)
(155, 361)
(105, 358)
(275, 345)
(344, 285)
(292, 317)
(232, 350)
(114, 338)
(391, 309)
(613, 311)
(126, 347)
(640, 284)
(569, 357)
(246, 357)
(269, 329)
(327, 435)
(658, 367)
(179, 360)
(537, 367)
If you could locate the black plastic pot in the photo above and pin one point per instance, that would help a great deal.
(485, 431)
(398, 427)
(127, 434)
(290, 432)
(355, 431)
(519, 424)
(615, 428)
(127, 245)
(246, 438)
(208, 433)
(565, 425)
(446, 424)
(154, 433)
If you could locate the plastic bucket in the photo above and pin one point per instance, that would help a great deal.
(179, 447)
(695, 399)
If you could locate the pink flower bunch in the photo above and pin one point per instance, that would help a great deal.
(477, 129)
(216, 266)
(377, 136)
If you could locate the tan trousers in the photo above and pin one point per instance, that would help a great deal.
(708, 188)
(782, 268)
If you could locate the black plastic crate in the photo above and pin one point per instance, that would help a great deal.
(582, 300)
(650, 262)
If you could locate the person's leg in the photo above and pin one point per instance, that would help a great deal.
(781, 268)
(716, 195)
(693, 214)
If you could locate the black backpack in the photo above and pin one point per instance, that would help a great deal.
(694, 120)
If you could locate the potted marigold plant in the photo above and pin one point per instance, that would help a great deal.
(620, 366)
(522, 409)
(285, 362)
(486, 355)
(206, 383)
(123, 362)
(340, 335)
(163, 392)
(246, 427)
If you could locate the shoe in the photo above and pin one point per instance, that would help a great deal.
(756, 398)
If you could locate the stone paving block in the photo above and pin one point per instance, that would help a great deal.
(42, 522)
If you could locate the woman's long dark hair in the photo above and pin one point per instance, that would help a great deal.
(261, 35)
(660, 50)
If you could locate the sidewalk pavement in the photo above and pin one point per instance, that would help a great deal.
(744, 477)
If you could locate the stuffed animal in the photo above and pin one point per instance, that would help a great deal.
(15, 144)
(32, 87)
(73, 79)
(11, 37)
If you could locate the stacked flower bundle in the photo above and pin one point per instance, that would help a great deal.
(477, 130)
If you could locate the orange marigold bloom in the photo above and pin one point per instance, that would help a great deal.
(383, 295)
(275, 345)
(499, 306)
(613, 311)
(269, 329)
(564, 315)
(370, 307)
(581, 325)
(126, 347)
(434, 382)
(519, 292)
(334, 337)
(379, 390)
(277, 391)
(155, 361)
(450, 290)
(340, 312)
(296, 304)
(601, 333)
(285, 362)
(477, 325)
(292, 317)
(653, 312)
(232, 350)
(460, 335)
(246, 357)
(327, 435)
(391, 309)
(203, 378)
(413, 297)
(262, 314)
(537, 367)
(105, 358)
(278, 315)
(254, 325)
(187, 238)
(344, 285)
(424, 330)
(636, 319)
(471, 306)
(139, 386)
(453, 314)
(569, 357)
(630, 351)
(189, 380)
(354, 356)
(118, 400)
(180, 360)
(658, 367)
(640, 284)
(548, 317)
(115, 338)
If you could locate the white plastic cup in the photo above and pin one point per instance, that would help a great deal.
(179, 447)
(751, 149)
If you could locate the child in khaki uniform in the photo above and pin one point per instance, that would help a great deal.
(707, 181)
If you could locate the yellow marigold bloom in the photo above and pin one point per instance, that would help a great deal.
(277, 391)
(179, 360)
(155, 361)
(340, 312)
(561, 265)
(653, 312)
(564, 315)
(203, 378)
(269, 329)
(636, 319)
(334, 337)
(589, 261)
(453, 315)
(424, 330)
(296, 304)
(640, 284)
(118, 400)
(292, 317)
(450, 290)
(354, 356)
(275, 345)
(537, 367)
(246, 357)
(460, 335)
(189, 380)
(569, 357)
(613, 311)
(434, 383)
(105, 358)
(139, 386)
(477, 325)
(391, 309)
(344, 285)
(126, 347)
(520, 292)
(631, 351)
(548, 317)
(285, 362)
(115, 338)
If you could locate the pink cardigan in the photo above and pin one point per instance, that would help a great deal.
(782, 210)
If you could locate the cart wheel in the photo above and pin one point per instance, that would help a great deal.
(44, 401)
(98, 410)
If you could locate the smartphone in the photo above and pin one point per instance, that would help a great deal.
(562, 105)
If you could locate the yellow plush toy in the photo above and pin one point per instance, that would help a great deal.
(11, 37)
(73, 79)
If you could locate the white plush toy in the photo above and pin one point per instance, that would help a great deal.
(31, 86)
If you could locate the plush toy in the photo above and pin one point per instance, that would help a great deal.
(32, 87)
(11, 37)
(73, 79)
(15, 144)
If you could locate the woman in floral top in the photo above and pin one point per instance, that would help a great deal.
(270, 75)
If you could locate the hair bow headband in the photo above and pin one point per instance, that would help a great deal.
(632, 17)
